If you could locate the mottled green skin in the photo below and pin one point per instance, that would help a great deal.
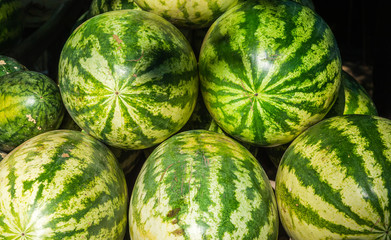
(131, 87)
(269, 70)
(352, 99)
(9, 65)
(62, 184)
(334, 180)
(190, 14)
(30, 104)
(102, 6)
(11, 15)
(202, 185)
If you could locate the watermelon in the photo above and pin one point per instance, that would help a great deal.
(30, 104)
(202, 185)
(9, 65)
(11, 22)
(334, 180)
(352, 99)
(190, 14)
(269, 69)
(102, 6)
(128, 78)
(62, 184)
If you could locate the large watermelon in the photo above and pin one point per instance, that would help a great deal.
(334, 180)
(62, 184)
(9, 65)
(11, 23)
(269, 69)
(129, 78)
(30, 104)
(202, 185)
(184, 13)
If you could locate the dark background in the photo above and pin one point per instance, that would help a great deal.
(361, 27)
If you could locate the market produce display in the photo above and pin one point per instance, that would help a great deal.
(62, 184)
(141, 81)
(202, 185)
(269, 70)
(334, 180)
(30, 104)
(187, 120)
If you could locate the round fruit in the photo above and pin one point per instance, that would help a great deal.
(128, 78)
(269, 70)
(30, 104)
(202, 185)
(334, 180)
(62, 184)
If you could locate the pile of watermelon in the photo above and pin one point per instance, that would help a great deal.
(167, 117)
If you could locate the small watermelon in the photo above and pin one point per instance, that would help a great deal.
(30, 104)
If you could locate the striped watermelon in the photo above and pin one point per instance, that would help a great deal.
(62, 184)
(128, 78)
(193, 14)
(352, 99)
(11, 22)
(9, 65)
(30, 104)
(269, 70)
(202, 185)
(334, 180)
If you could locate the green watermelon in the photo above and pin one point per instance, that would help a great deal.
(128, 78)
(102, 6)
(202, 185)
(269, 69)
(11, 22)
(62, 184)
(307, 3)
(334, 180)
(192, 14)
(30, 104)
(9, 65)
(352, 99)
